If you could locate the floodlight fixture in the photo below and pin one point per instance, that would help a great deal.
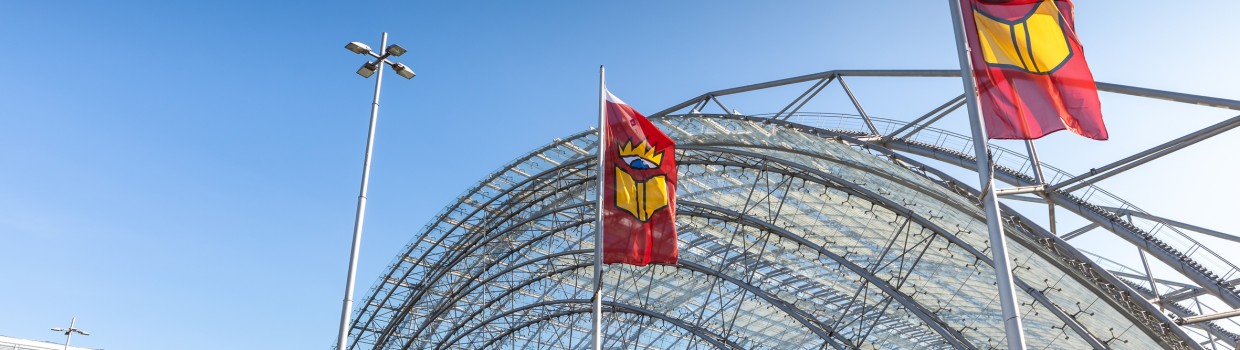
(358, 48)
(403, 70)
(367, 69)
(396, 50)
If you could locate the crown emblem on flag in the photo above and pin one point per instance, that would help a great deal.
(641, 156)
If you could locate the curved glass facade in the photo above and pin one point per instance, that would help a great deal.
(791, 238)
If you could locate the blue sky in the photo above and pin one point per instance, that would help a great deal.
(184, 174)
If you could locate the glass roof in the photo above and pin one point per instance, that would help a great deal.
(791, 238)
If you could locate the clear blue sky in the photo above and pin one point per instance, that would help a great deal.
(183, 174)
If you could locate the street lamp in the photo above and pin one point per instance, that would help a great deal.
(369, 68)
(69, 332)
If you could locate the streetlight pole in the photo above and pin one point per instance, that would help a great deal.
(367, 69)
(69, 332)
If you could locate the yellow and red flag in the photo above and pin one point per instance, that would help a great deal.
(639, 189)
(1030, 70)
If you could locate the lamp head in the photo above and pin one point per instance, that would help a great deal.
(403, 70)
(357, 47)
(367, 69)
(396, 50)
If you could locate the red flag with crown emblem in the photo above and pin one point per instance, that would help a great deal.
(1030, 70)
(639, 189)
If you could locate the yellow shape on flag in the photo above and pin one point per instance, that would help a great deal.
(1035, 43)
(640, 198)
(643, 150)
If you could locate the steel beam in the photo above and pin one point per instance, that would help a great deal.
(1187, 226)
(1119, 166)
(726, 110)
(806, 100)
(1020, 190)
(1183, 294)
(1210, 317)
(1144, 277)
(946, 108)
(812, 89)
(1080, 231)
(860, 110)
(1170, 96)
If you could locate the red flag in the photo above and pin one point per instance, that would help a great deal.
(639, 189)
(1030, 70)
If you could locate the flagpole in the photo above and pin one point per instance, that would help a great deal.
(990, 201)
(597, 315)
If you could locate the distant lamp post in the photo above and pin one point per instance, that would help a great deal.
(369, 68)
(69, 332)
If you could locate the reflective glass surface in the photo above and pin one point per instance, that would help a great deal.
(791, 238)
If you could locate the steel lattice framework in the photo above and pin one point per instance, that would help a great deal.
(798, 231)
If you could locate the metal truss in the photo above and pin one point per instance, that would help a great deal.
(1157, 236)
(793, 237)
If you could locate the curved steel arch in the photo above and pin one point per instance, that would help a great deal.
(1111, 281)
(958, 344)
(949, 334)
(586, 311)
(1167, 254)
(491, 236)
(621, 306)
(864, 193)
(688, 266)
(409, 302)
(839, 183)
(796, 313)
(801, 316)
(949, 155)
(363, 326)
(844, 185)
(1150, 309)
(471, 285)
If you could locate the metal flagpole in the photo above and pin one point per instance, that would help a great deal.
(990, 200)
(346, 310)
(597, 323)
